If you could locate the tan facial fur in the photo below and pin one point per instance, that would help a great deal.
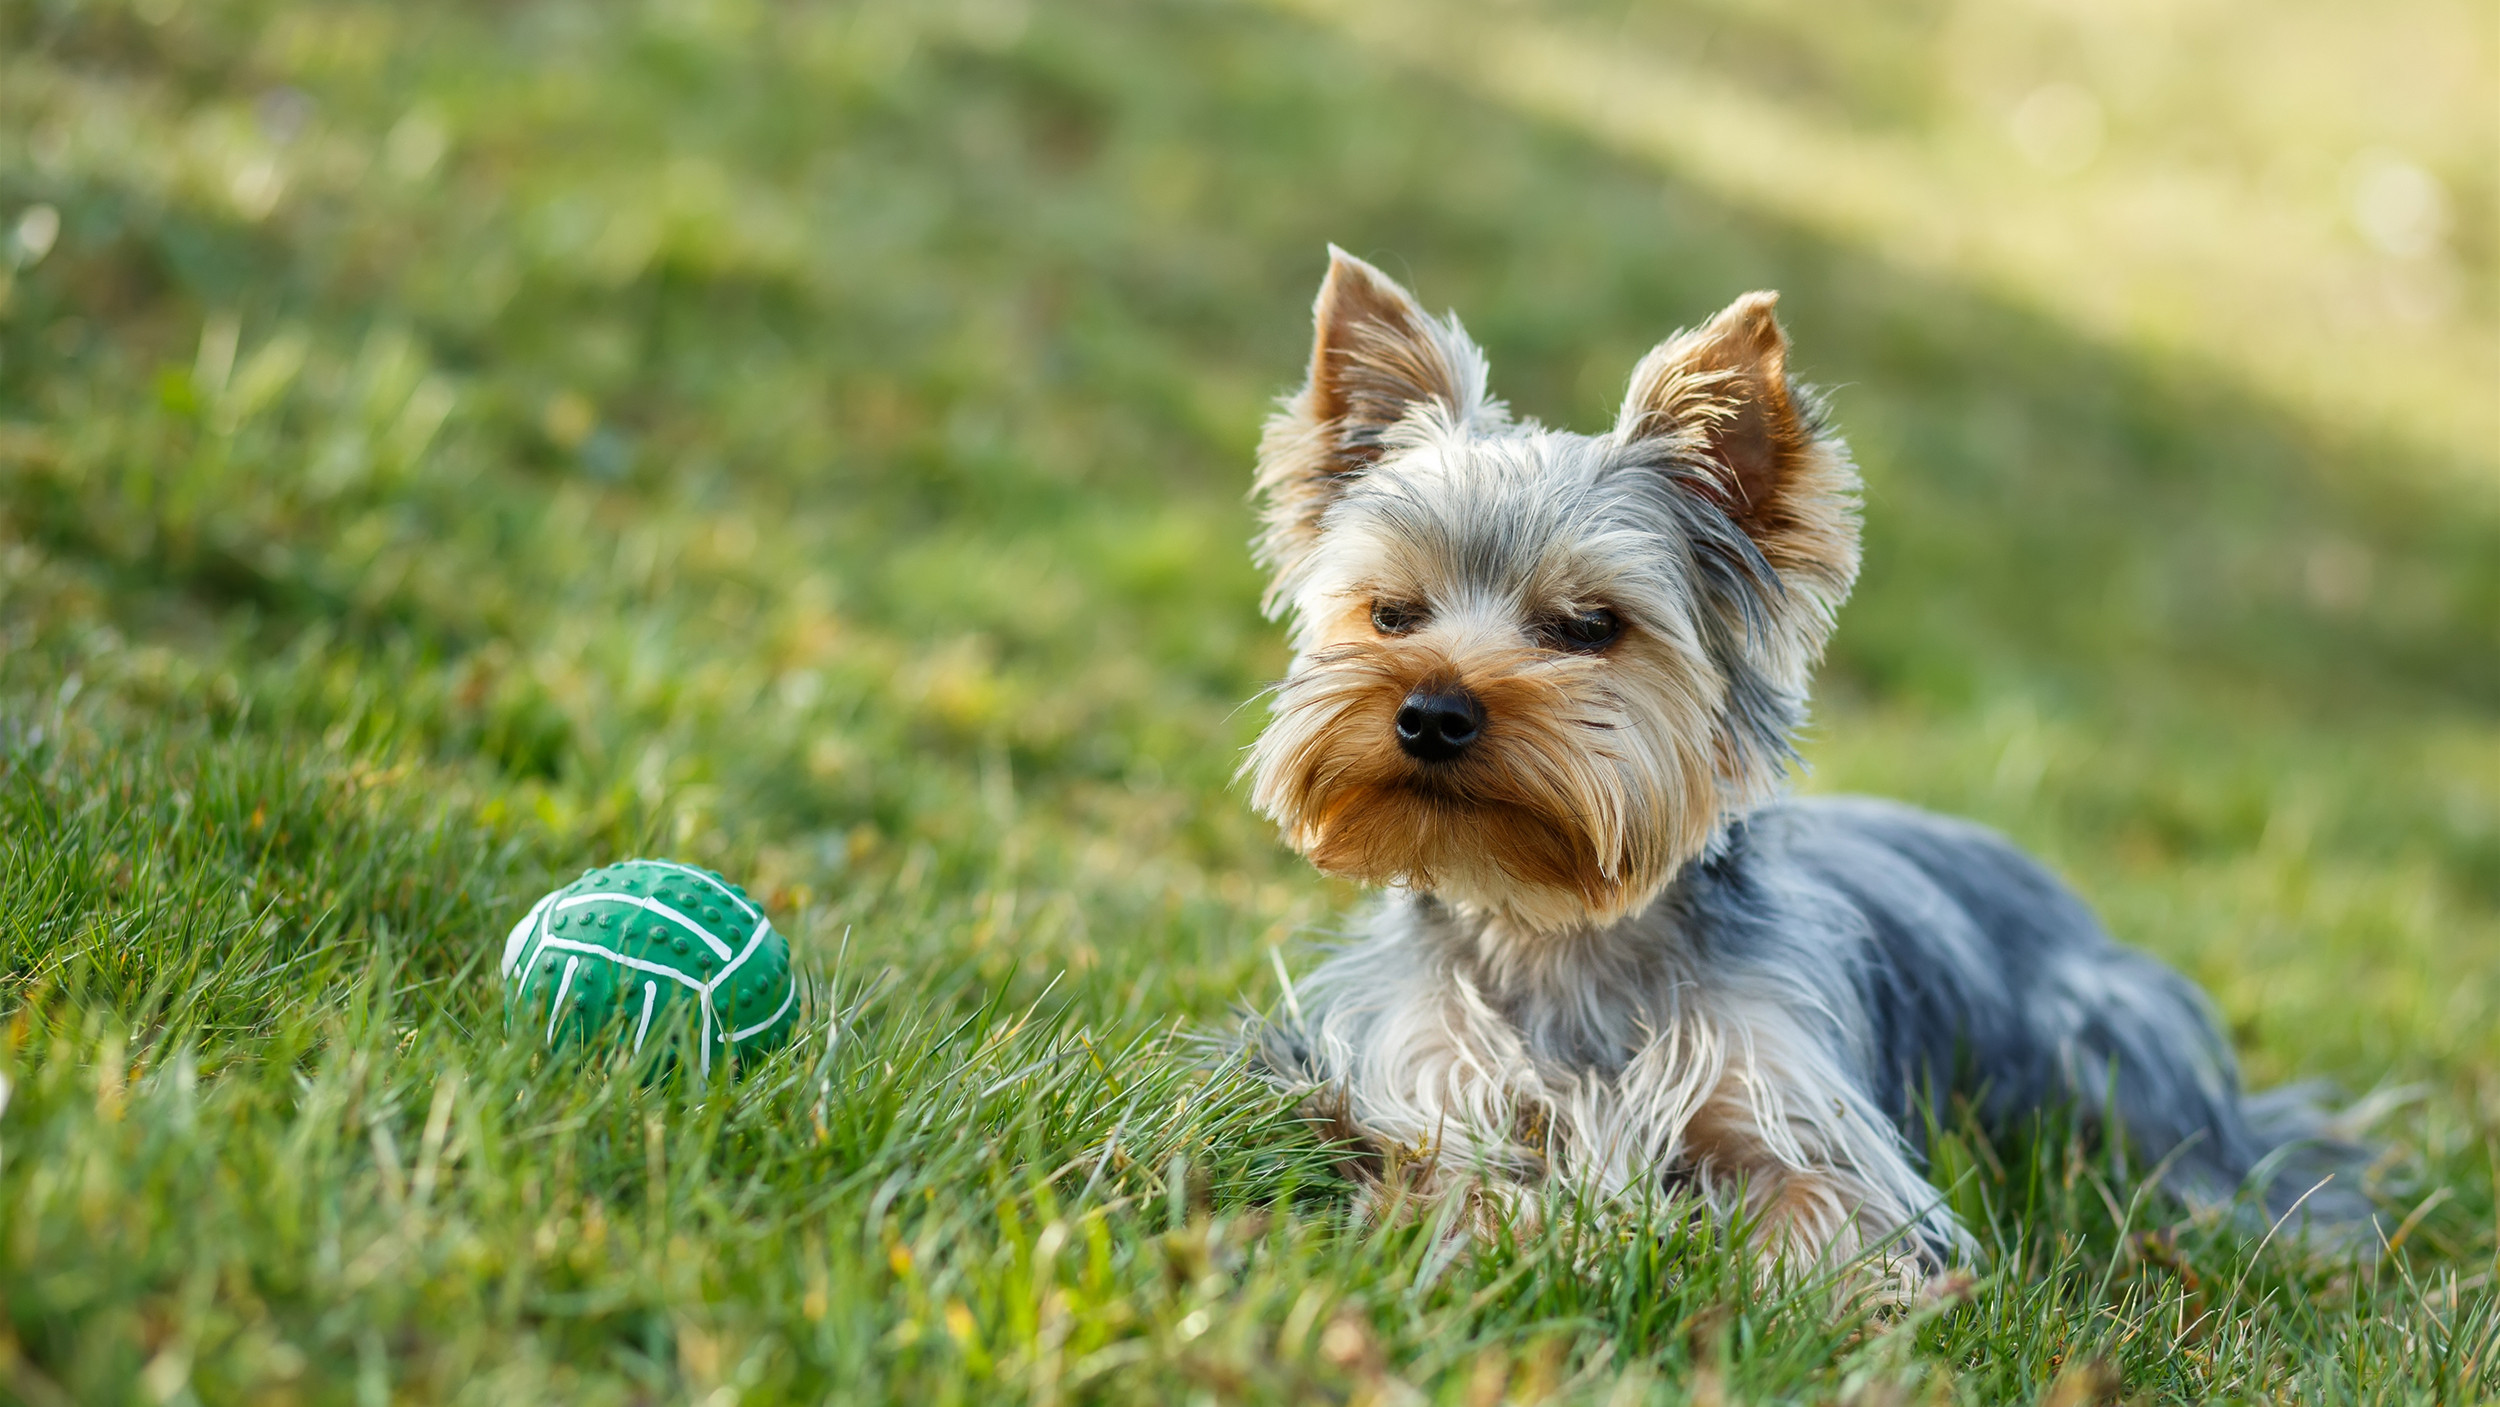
(1551, 817)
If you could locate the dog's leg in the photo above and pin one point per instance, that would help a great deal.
(1798, 1209)
(1796, 1155)
(1437, 1087)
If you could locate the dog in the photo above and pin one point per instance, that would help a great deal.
(1543, 693)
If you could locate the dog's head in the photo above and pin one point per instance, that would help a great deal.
(1535, 672)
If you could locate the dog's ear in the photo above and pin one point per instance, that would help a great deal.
(1376, 359)
(1722, 391)
(1375, 356)
(1714, 409)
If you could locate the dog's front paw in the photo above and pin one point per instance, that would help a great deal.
(1887, 1283)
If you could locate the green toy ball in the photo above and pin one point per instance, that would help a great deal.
(650, 946)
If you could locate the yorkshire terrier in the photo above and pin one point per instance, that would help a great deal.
(1543, 692)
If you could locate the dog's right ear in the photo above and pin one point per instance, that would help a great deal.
(1376, 359)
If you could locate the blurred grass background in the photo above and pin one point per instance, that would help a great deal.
(812, 440)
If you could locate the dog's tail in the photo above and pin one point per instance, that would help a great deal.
(2292, 1164)
(2286, 1161)
(2315, 1162)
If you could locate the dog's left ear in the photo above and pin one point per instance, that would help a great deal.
(1718, 406)
(1722, 390)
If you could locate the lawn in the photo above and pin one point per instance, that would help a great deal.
(446, 447)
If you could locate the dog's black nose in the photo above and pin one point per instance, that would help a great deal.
(1438, 724)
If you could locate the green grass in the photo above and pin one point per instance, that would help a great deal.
(445, 447)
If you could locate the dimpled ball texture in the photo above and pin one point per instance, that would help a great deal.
(651, 949)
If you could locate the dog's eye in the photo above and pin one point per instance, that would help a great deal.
(1397, 617)
(1587, 633)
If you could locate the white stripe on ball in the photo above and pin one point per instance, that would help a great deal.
(521, 935)
(650, 994)
(555, 1008)
(573, 945)
(762, 927)
(719, 948)
(765, 1024)
(732, 894)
